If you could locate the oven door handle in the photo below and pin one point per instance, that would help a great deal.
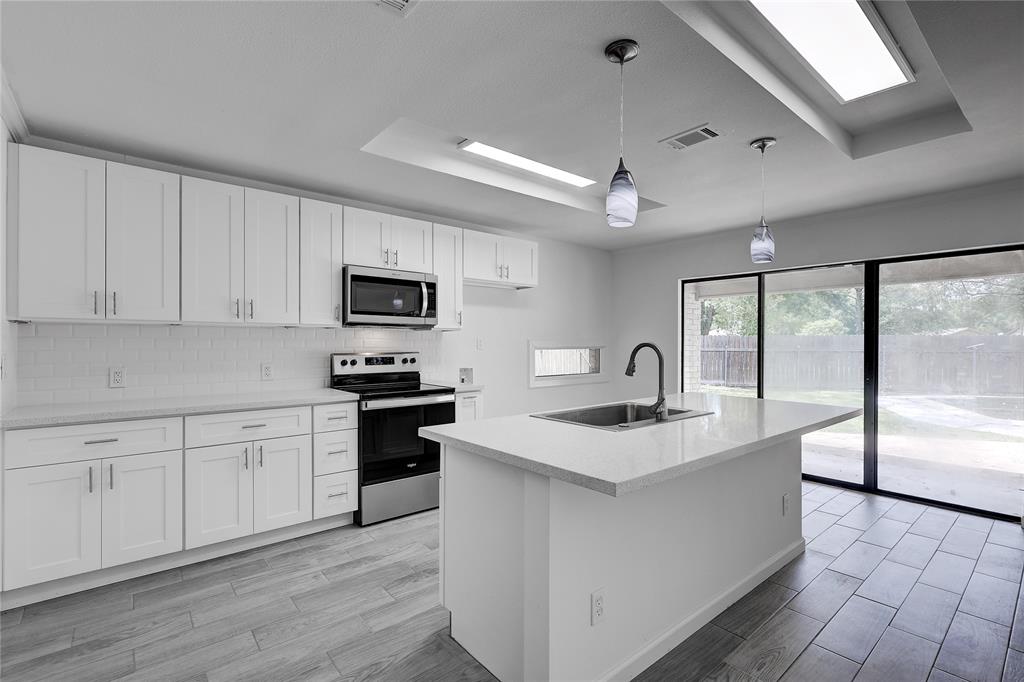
(408, 402)
(423, 285)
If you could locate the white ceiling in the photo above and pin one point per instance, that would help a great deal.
(291, 92)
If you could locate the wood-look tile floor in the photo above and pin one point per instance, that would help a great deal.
(886, 590)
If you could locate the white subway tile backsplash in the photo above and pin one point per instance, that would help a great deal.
(62, 363)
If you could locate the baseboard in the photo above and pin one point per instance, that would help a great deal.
(31, 594)
(678, 633)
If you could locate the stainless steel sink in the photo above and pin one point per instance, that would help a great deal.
(618, 416)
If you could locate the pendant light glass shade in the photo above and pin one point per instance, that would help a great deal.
(762, 246)
(623, 201)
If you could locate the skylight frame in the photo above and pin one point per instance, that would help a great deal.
(522, 163)
(881, 29)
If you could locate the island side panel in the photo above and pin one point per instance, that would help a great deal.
(494, 563)
(668, 558)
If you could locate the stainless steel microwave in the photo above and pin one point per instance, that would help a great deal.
(378, 297)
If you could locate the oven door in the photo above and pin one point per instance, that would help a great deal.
(378, 297)
(390, 447)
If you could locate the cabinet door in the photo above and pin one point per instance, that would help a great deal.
(448, 268)
(60, 235)
(320, 262)
(218, 493)
(283, 482)
(367, 238)
(51, 522)
(411, 244)
(141, 507)
(480, 256)
(143, 249)
(519, 257)
(271, 257)
(467, 407)
(212, 251)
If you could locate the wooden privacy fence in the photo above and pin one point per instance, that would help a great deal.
(987, 365)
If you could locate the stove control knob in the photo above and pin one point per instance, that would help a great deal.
(344, 363)
(405, 361)
(354, 362)
(413, 361)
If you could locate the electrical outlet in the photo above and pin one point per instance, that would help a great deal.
(596, 607)
(117, 377)
(479, 343)
(785, 504)
(266, 371)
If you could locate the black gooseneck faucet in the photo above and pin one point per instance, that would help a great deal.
(658, 409)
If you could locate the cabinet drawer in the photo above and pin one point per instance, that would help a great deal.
(335, 451)
(58, 444)
(335, 417)
(335, 494)
(238, 427)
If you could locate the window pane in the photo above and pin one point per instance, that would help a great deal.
(951, 379)
(814, 353)
(720, 336)
(554, 362)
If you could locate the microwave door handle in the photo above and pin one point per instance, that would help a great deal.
(424, 287)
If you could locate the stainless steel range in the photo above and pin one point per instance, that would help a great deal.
(398, 470)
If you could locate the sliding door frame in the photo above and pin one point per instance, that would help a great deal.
(871, 369)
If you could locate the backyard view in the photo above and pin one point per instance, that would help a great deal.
(951, 368)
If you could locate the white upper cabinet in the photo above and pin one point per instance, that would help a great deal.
(271, 257)
(411, 244)
(320, 262)
(367, 238)
(143, 247)
(493, 260)
(448, 268)
(481, 256)
(380, 240)
(57, 240)
(212, 251)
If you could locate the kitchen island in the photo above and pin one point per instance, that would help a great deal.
(577, 553)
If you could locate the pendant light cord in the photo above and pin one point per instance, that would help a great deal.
(762, 180)
(622, 99)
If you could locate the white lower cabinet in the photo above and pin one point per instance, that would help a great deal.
(236, 490)
(142, 515)
(282, 494)
(467, 406)
(51, 522)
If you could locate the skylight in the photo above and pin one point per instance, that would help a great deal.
(844, 42)
(523, 163)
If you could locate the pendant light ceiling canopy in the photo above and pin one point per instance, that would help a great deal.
(762, 246)
(622, 202)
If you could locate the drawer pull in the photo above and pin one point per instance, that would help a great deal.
(90, 479)
(337, 495)
(111, 475)
(337, 452)
(340, 416)
(253, 426)
(102, 440)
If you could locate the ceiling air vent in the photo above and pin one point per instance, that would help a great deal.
(688, 138)
(399, 7)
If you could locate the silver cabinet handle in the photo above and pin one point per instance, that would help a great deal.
(506, 272)
(246, 453)
(95, 302)
(337, 495)
(340, 416)
(396, 258)
(252, 309)
(337, 312)
(111, 475)
(115, 304)
(460, 318)
(90, 479)
(387, 256)
(261, 457)
(253, 426)
(337, 452)
(102, 440)
(238, 308)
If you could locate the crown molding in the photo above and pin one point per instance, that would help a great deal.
(11, 112)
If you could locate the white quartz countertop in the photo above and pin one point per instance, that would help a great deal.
(459, 387)
(116, 410)
(618, 462)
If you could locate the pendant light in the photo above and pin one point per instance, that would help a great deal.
(762, 246)
(623, 201)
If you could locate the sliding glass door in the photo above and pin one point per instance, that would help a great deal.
(932, 347)
(814, 352)
(951, 379)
